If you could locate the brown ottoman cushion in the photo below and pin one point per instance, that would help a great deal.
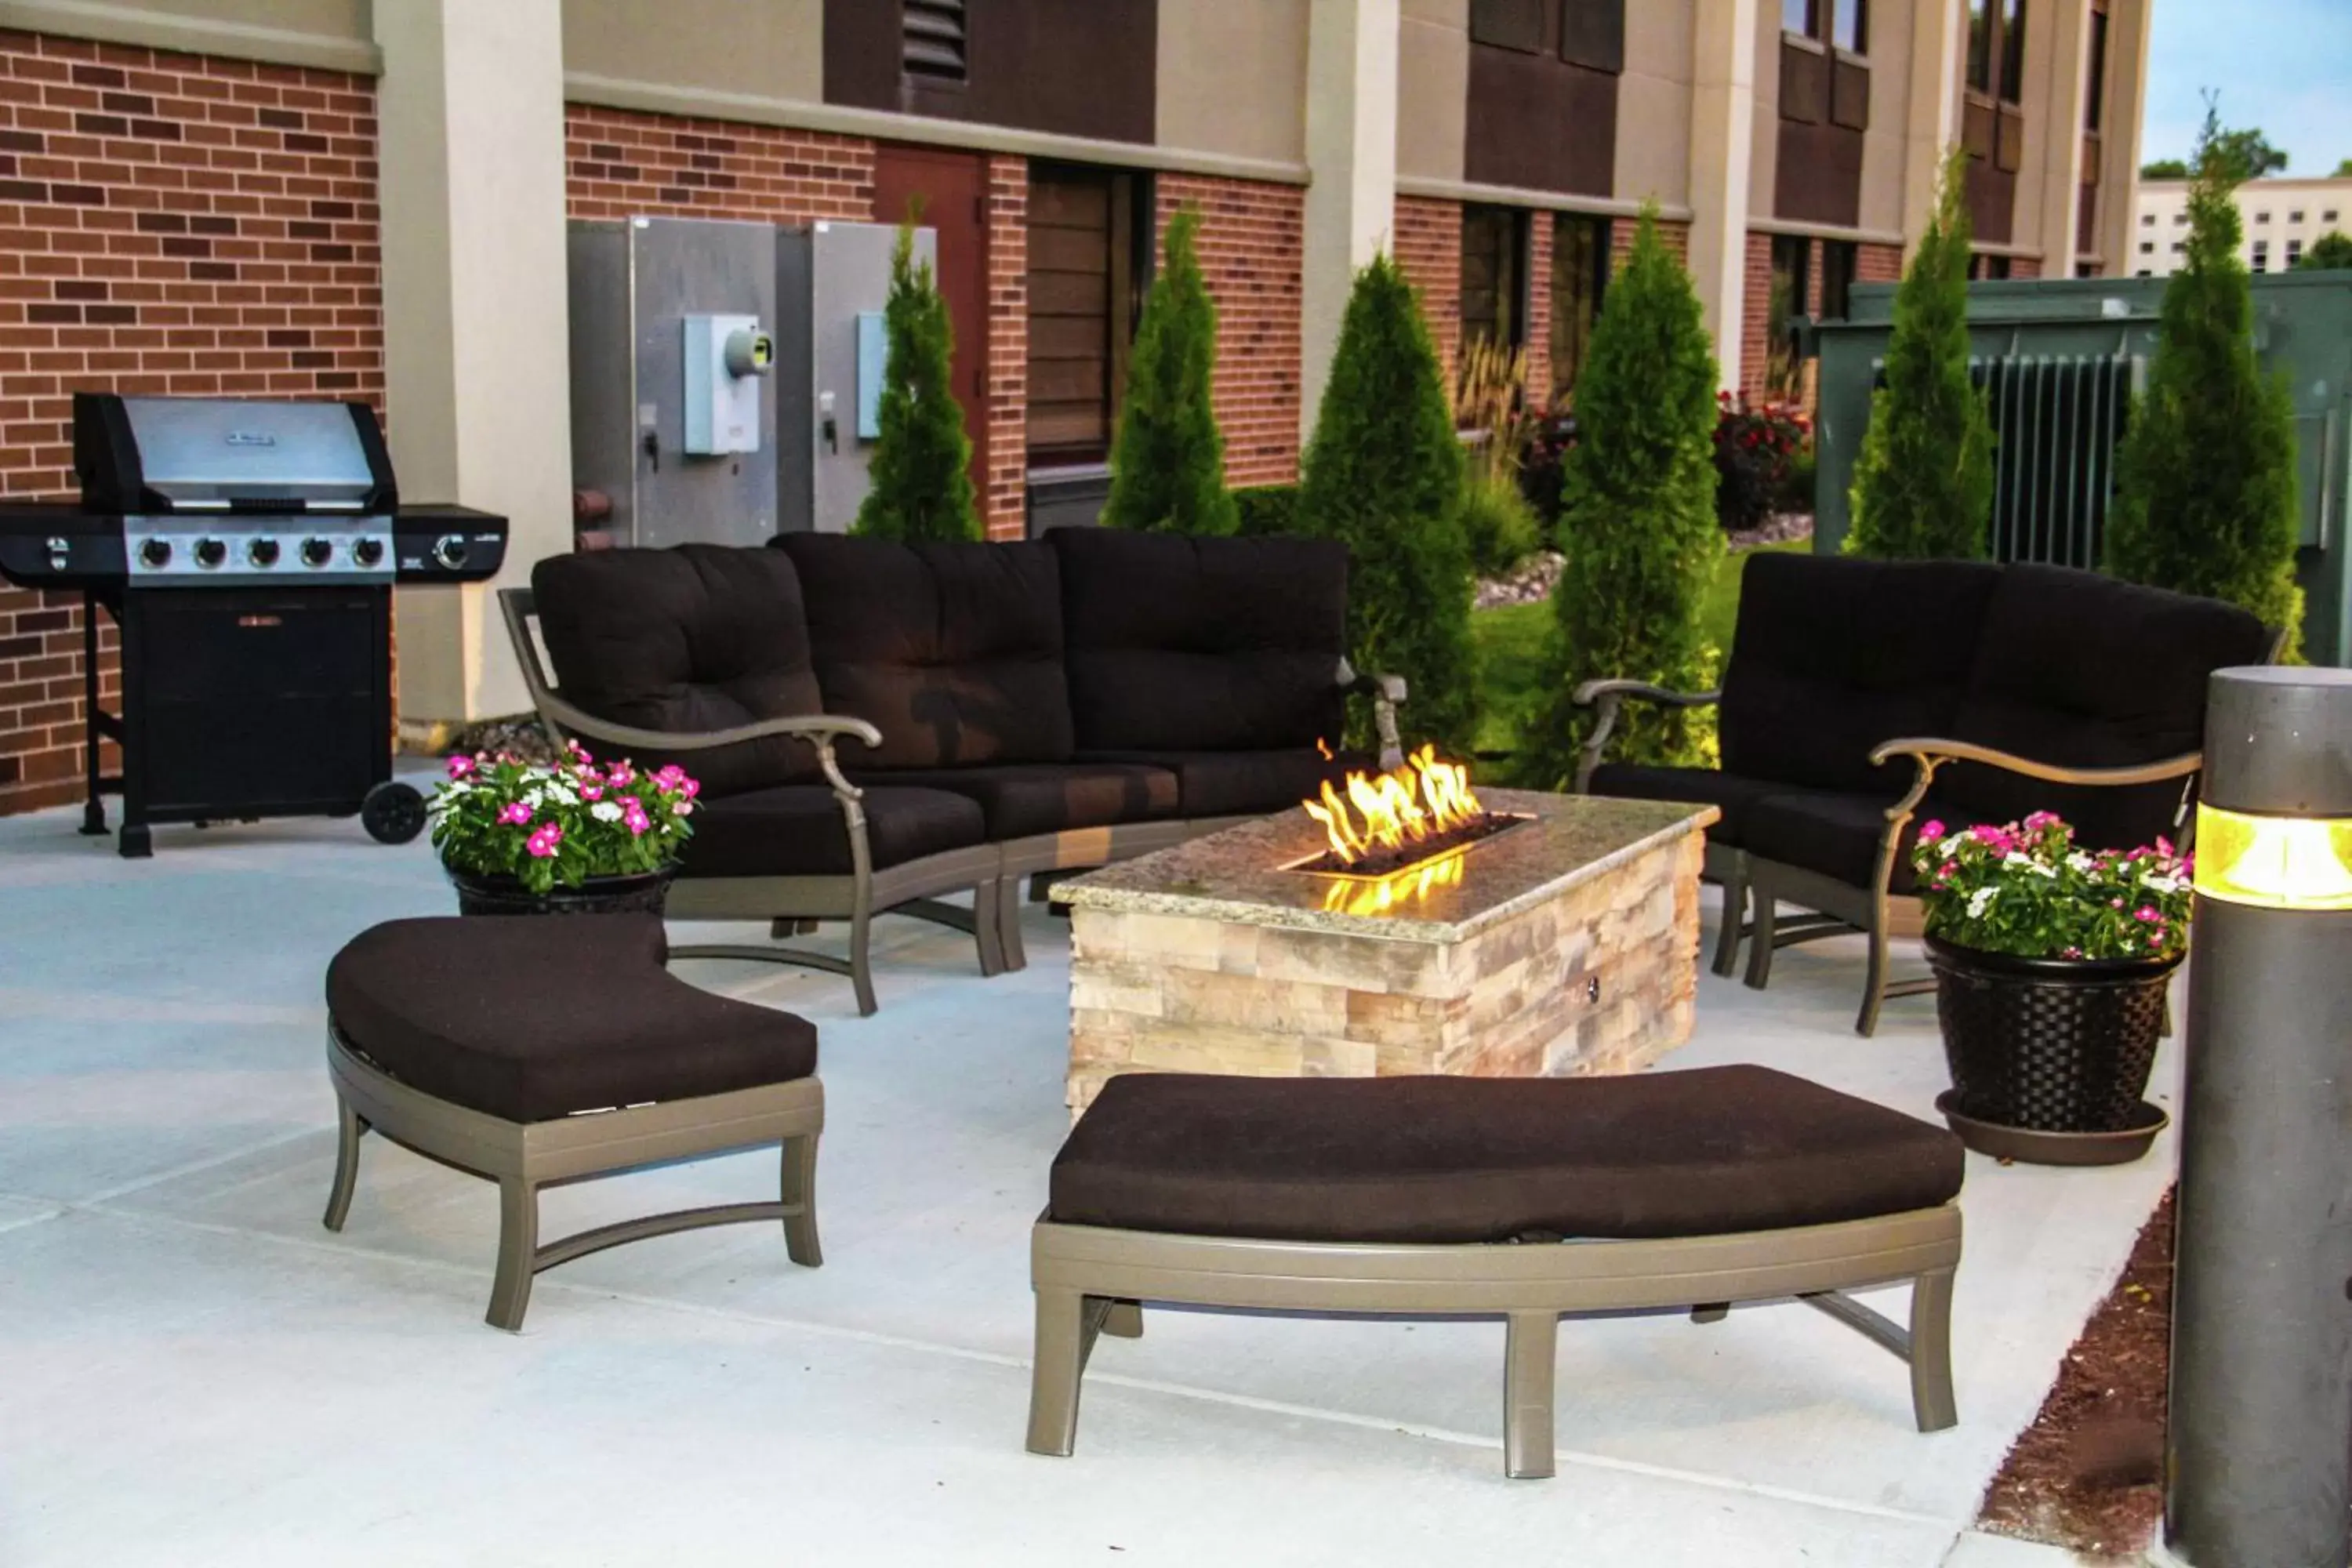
(534, 1018)
(1436, 1160)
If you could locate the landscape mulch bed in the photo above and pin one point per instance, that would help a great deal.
(2088, 1475)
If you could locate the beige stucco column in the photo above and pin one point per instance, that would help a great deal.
(1351, 140)
(2053, 104)
(1932, 123)
(476, 353)
(1722, 147)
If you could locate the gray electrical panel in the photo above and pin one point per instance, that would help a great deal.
(833, 279)
(725, 375)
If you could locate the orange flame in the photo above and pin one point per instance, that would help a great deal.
(1378, 897)
(1405, 805)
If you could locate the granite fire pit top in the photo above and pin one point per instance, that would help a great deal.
(1236, 876)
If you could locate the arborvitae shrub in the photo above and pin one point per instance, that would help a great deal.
(1261, 509)
(921, 463)
(1168, 460)
(1384, 475)
(1923, 485)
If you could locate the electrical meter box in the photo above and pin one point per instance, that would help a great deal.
(832, 281)
(726, 359)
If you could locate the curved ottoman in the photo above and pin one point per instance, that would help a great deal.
(1526, 1198)
(534, 1052)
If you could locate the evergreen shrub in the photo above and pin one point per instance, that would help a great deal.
(921, 463)
(1168, 460)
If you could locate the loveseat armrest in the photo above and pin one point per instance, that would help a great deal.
(1929, 752)
(1605, 698)
(1388, 694)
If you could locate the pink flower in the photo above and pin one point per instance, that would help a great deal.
(590, 792)
(2146, 914)
(633, 815)
(543, 843)
(1931, 830)
(621, 775)
(670, 778)
(683, 808)
(689, 787)
(2115, 903)
(515, 815)
(2164, 845)
(2042, 819)
(460, 765)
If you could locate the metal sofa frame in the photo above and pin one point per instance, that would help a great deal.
(1092, 1280)
(992, 872)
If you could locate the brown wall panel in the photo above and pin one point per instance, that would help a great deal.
(1992, 201)
(861, 53)
(1804, 84)
(1817, 178)
(1850, 95)
(1075, 67)
(1540, 123)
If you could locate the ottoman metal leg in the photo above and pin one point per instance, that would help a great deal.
(1060, 1361)
(1529, 1350)
(1008, 920)
(800, 1202)
(517, 1251)
(1932, 1400)
(349, 1128)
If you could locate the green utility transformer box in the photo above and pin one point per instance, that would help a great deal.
(2061, 362)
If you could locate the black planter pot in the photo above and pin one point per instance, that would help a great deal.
(641, 892)
(2049, 1044)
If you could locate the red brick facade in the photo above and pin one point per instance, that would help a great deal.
(168, 224)
(1253, 256)
(1872, 263)
(1005, 507)
(1429, 248)
(619, 163)
(1539, 335)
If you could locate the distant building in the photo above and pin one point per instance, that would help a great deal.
(2282, 219)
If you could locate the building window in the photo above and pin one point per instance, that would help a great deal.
(1980, 45)
(2143, 272)
(1997, 48)
(2180, 250)
(2147, 220)
(2294, 217)
(1983, 268)
(2180, 220)
(1494, 275)
(2094, 91)
(1850, 25)
(2327, 216)
(1841, 262)
(2262, 255)
(1802, 18)
(931, 40)
(1793, 256)
(2148, 248)
(2012, 51)
(2294, 252)
(1090, 253)
(2261, 217)
(1580, 276)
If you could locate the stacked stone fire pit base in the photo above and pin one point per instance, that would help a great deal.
(1567, 945)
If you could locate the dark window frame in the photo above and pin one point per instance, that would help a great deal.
(1131, 246)
(1577, 292)
(2095, 89)
(1509, 318)
(1841, 270)
(1788, 296)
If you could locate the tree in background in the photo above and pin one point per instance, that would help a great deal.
(921, 463)
(1384, 475)
(2342, 170)
(2164, 169)
(1168, 460)
(2244, 154)
(1923, 485)
(2330, 252)
(1637, 519)
(2205, 496)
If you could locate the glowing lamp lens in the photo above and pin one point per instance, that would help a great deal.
(2279, 862)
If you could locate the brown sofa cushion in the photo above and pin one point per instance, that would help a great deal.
(1436, 1160)
(1026, 800)
(535, 1017)
(797, 830)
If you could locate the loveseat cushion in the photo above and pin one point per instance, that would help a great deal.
(533, 1019)
(695, 638)
(954, 651)
(1836, 833)
(1179, 644)
(1732, 793)
(2083, 670)
(1244, 783)
(1833, 654)
(1433, 1160)
(1020, 800)
(796, 830)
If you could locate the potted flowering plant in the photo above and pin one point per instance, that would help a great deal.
(566, 838)
(2051, 965)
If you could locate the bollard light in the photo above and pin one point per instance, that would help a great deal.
(2258, 1468)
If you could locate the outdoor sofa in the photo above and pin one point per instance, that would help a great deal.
(877, 724)
(1863, 698)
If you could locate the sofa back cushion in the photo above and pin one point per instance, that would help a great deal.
(1179, 644)
(954, 651)
(1832, 656)
(697, 637)
(2084, 671)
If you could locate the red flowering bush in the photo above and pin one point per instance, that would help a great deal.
(542, 825)
(1754, 446)
(2025, 889)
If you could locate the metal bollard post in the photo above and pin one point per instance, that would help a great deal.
(2260, 1445)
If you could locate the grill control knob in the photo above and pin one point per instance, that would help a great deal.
(449, 552)
(262, 552)
(367, 552)
(317, 552)
(155, 553)
(211, 552)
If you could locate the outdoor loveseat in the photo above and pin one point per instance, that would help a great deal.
(1864, 697)
(878, 724)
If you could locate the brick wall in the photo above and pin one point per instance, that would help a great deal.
(1253, 257)
(1676, 236)
(618, 164)
(1755, 312)
(2024, 267)
(168, 224)
(1878, 264)
(1006, 506)
(1429, 248)
(1538, 334)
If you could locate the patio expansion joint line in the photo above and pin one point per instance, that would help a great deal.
(96, 1202)
(1096, 1378)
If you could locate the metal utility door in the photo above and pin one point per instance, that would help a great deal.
(681, 266)
(947, 192)
(830, 275)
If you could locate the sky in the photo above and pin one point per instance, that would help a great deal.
(2282, 65)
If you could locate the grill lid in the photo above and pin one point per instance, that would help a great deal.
(206, 454)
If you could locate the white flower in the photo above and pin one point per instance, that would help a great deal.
(2162, 884)
(2078, 861)
(561, 794)
(535, 799)
(1978, 899)
(604, 811)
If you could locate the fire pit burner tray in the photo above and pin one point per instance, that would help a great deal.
(1379, 863)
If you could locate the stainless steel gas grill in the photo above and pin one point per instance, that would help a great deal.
(248, 552)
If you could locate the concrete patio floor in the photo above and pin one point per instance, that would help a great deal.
(192, 1371)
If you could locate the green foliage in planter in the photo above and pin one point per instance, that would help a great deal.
(546, 825)
(1498, 523)
(2025, 889)
(2205, 493)
(1922, 484)
(1262, 510)
(921, 463)
(1383, 476)
(1637, 522)
(1168, 460)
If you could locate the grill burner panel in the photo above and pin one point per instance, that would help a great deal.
(309, 548)
(1423, 852)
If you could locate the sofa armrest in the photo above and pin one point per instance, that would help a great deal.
(1388, 694)
(1606, 698)
(1930, 754)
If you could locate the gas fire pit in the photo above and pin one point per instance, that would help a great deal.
(1399, 924)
